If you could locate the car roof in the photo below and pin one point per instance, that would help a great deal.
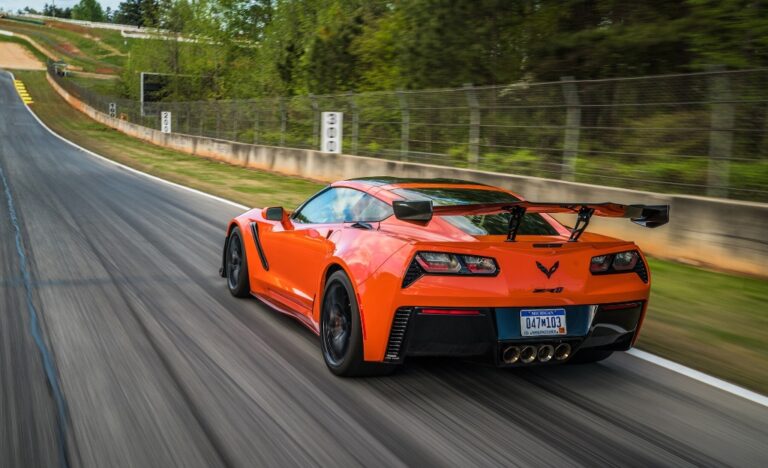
(384, 187)
(396, 181)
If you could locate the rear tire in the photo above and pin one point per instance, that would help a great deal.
(236, 266)
(586, 356)
(341, 337)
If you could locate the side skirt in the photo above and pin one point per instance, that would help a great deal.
(301, 318)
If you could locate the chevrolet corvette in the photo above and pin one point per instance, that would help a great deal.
(385, 268)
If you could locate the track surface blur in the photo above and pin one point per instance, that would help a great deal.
(161, 367)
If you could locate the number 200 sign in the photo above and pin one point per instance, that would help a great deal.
(331, 131)
(165, 122)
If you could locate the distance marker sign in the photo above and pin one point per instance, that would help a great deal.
(331, 131)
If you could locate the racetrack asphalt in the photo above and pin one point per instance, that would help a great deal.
(160, 366)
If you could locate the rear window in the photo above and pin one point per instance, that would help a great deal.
(480, 225)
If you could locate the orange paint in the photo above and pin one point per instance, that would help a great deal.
(376, 260)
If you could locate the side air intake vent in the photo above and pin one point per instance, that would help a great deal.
(397, 335)
(414, 272)
(641, 270)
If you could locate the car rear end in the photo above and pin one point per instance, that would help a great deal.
(528, 302)
(487, 273)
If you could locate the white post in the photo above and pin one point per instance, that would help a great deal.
(165, 122)
(332, 132)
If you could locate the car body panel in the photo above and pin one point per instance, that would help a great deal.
(376, 255)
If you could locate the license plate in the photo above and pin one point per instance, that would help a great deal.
(542, 322)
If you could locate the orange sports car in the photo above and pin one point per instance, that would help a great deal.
(385, 268)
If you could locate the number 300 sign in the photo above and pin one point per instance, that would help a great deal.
(331, 132)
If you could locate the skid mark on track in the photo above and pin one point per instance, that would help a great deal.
(34, 325)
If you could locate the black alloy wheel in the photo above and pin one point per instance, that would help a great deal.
(337, 323)
(237, 266)
(341, 336)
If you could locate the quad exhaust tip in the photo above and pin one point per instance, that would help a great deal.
(545, 353)
(562, 352)
(529, 353)
(510, 355)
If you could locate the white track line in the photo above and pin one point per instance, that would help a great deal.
(659, 361)
(701, 377)
(123, 166)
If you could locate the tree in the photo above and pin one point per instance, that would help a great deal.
(248, 48)
(53, 10)
(88, 10)
(128, 12)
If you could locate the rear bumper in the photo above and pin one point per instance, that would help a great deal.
(466, 332)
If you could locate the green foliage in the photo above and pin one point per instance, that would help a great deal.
(129, 12)
(88, 10)
(267, 47)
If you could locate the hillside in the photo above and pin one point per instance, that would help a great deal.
(90, 50)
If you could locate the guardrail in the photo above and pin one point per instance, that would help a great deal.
(698, 133)
(95, 24)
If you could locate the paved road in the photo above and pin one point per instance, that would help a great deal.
(160, 366)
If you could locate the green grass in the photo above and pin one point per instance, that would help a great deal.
(246, 186)
(105, 88)
(93, 50)
(710, 321)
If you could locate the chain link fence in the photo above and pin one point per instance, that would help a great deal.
(700, 133)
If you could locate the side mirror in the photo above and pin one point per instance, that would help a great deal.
(274, 213)
(277, 213)
(414, 210)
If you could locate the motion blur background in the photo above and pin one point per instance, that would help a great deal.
(583, 100)
(666, 95)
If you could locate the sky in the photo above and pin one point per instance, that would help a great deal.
(14, 5)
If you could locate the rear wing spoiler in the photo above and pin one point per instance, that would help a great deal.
(650, 216)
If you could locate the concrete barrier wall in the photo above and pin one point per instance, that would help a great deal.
(724, 234)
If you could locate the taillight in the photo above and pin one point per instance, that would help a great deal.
(435, 262)
(480, 265)
(618, 263)
(625, 261)
(600, 263)
(455, 264)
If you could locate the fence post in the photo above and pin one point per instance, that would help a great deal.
(315, 121)
(283, 121)
(572, 127)
(720, 135)
(355, 122)
(218, 120)
(234, 119)
(405, 126)
(188, 116)
(202, 116)
(474, 125)
(256, 126)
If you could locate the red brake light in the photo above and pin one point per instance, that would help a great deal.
(450, 312)
(448, 263)
(625, 261)
(600, 263)
(615, 263)
(436, 262)
(482, 265)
